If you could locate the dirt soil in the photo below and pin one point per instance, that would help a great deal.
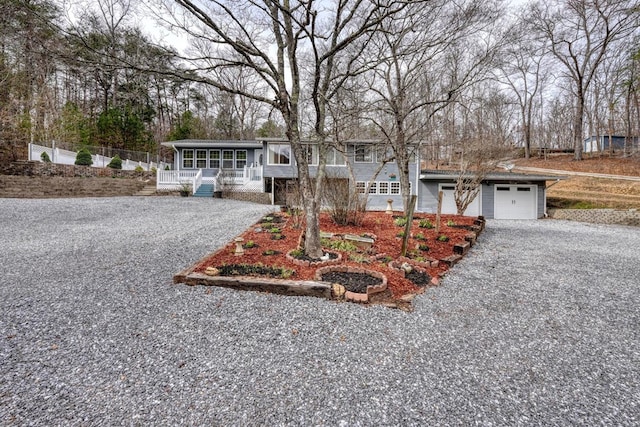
(587, 192)
(423, 245)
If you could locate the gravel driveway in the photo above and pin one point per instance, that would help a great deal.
(539, 325)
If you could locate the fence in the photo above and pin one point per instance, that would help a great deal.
(66, 157)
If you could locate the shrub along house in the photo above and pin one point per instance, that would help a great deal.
(266, 171)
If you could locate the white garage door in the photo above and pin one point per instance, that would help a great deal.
(449, 202)
(515, 202)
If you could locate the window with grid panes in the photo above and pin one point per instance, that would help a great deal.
(241, 159)
(201, 159)
(214, 159)
(227, 159)
(187, 159)
(383, 187)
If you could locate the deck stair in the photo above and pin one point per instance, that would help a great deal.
(205, 190)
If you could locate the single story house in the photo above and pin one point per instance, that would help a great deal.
(594, 144)
(267, 166)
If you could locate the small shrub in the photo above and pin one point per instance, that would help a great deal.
(167, 168)
(339, 245)
(269, 252)
(420, 236)
(417, 256)
(83, 158)
(423, 247)
(425, 223)
(400, 221)
(185, 189)
(45, 157)
(451, 223)
(277, 236)
(443, 238)
(362, 259)
(115, 163)
(297, 253)
(139, 169)
(400, 234)
(385, 259)
(154, 170)
(274, 230)
(250, 244)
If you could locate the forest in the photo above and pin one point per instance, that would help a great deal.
(474, 75)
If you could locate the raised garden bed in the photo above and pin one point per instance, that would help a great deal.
(380, 257)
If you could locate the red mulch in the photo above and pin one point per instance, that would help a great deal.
(378, 223)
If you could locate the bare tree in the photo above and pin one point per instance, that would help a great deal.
(524, 71)
(285, 44)
(425, 63)
(579, 35)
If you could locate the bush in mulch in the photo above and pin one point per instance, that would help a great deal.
(354, 282)
(299, 254)
(419, 278)
(255, 270)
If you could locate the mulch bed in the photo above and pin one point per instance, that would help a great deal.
(387, 246)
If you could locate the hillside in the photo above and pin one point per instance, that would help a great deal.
(588, 192)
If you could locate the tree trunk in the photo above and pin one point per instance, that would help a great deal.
(577, 128)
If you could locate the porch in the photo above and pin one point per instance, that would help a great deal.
(248, 179)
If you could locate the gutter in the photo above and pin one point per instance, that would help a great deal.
(178, 158)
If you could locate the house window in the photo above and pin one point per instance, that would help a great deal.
(279, 154)
(201, 159)
(214, 159)
(241, 159)
(187, 159)
(311, 151)
(227, 159)
(383, 187)
(335, 158)
(373, 189)
(363, 154)
(395, 187)
(361, 187)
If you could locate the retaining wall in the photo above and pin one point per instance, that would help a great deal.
(45, 180)
(23, 168)
(598, 216)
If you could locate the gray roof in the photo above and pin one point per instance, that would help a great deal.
(208, 143)
(435, 175)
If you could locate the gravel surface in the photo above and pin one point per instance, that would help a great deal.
(538, 325)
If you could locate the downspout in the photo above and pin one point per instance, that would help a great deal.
(177, 159)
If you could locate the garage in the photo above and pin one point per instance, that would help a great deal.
(515, 201)
(449, 202)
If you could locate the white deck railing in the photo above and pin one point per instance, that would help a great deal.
(174, 180)
(250, 177)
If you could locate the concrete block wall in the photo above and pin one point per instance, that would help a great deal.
(598, 216)
(49, 187)
(25, 168)
(43, 180)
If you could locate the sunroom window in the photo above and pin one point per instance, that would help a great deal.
(187, 159)
(279, 154)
